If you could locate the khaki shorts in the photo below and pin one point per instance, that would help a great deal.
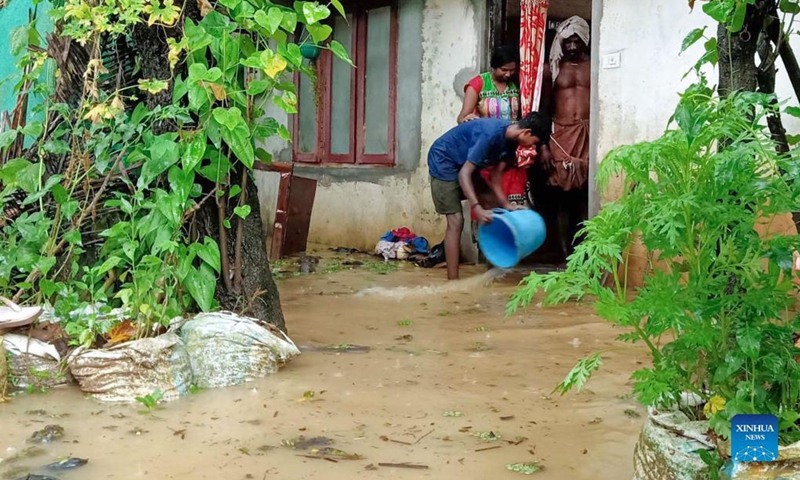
(447, 196)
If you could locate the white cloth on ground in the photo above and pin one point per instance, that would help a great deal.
(388, 249)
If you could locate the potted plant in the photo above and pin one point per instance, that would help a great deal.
(310, 51)
(309, 48)
(715, 308)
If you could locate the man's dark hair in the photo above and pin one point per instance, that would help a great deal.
(504, 55)
(539, 124)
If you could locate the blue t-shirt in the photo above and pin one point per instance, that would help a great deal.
(481, 142)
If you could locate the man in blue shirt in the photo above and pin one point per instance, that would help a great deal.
(471, 146)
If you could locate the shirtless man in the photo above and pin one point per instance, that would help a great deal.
(566, 95)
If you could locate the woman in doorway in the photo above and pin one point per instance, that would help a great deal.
(494, 94)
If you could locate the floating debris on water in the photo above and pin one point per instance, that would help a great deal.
(67, 464)
(303, 443)
(487, 436)
(527, 468)
(47, 435)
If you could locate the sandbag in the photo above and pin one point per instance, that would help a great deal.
(33, 364)
(134, 369)
(227, 349)
(666, 448)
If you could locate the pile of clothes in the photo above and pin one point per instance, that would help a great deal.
(401, 244)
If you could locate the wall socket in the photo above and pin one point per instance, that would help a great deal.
(612, 60)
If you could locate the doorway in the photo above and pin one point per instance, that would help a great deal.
(504, 22)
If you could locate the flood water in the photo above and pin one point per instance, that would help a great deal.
(444, 365)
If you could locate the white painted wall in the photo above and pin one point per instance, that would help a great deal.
(637, 99)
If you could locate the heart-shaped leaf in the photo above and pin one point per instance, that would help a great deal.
(314, 12)
(242, 211)
(319, 32)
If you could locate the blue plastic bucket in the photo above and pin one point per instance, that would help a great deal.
(512, 236)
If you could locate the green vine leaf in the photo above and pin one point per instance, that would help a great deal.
(339, 50)
(242, 211)
(793, 111)
(313, 12)
(7, 138)
(718, 10)
(271, 20)
(792, 7)
(339, 8)
(692, 38)
(230, 4)
(319, 32)
(163, 153)
(289, 21)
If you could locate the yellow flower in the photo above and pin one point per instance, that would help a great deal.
(714, 405)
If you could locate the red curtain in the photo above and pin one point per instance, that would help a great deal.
(533, 23)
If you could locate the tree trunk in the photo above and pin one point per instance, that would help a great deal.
(152, 49)
(737, 55)
(258, 295)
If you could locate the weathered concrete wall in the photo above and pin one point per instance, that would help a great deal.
(354, 206)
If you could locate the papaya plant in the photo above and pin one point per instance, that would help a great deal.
(715, 311)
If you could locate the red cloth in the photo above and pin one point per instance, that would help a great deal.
(403, 234)
(514, 182)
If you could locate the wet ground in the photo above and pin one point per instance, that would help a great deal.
(447, 383)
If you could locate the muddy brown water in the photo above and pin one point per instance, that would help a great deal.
(437, 350)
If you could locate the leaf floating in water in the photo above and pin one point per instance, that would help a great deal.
(335, 452)
(527, 468)
(480, 347)
(487, 436)
(303, 443)
(309, 396)
(629, 412)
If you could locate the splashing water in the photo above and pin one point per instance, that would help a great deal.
(461, 285)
